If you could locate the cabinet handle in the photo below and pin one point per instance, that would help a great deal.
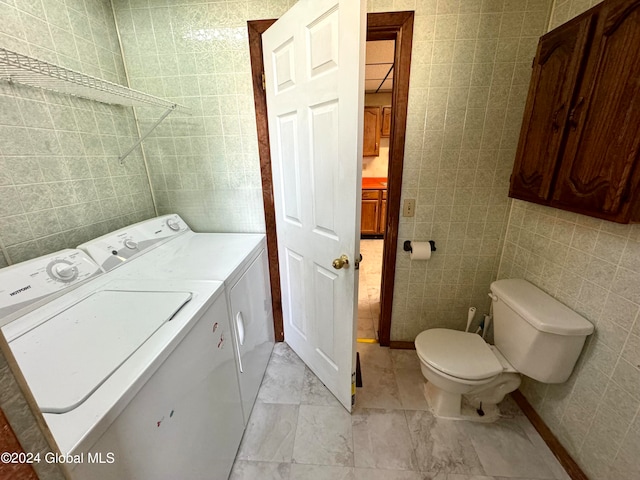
(240, 327)
(572, 120)
(554, 121)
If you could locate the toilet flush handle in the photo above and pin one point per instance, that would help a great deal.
(493, 297)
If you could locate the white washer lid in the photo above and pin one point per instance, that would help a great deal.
(71, 354)
(459, 354)
(541, 310)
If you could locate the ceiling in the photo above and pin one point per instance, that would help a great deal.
(379, 66)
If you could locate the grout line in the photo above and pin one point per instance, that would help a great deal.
(5, 252)
(504, 239)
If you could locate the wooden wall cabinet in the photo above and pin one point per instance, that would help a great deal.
(371, 137)
(579, 146)
(386, 122)
(374, 212)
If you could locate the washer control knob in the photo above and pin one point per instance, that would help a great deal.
(130, 244)
(173, 225)
(64, 272)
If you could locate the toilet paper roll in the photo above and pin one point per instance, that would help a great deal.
(420, 251)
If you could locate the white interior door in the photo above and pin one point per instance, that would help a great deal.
(314, 69)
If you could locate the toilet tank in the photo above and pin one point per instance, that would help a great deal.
(541, 337)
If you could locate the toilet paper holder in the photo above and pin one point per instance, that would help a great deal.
(407, 246)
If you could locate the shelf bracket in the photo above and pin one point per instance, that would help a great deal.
(135, 145)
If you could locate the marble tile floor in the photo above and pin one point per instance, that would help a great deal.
(299, 431)
(369, 288)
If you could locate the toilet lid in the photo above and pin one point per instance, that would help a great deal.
(459, 354)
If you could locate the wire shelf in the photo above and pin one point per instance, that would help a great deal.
(19, 68)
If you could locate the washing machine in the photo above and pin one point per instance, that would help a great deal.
(136, 378)
(166, 248)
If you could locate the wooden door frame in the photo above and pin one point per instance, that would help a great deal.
(396, 26)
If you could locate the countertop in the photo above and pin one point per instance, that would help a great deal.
(374, 183)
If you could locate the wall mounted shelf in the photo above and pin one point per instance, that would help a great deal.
(25, 70)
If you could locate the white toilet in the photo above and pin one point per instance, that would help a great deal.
(534, 335)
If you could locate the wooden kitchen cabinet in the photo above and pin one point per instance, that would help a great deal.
(371, 137)
(374, 212)
(579, 145)
(370, 212)
(386, 121)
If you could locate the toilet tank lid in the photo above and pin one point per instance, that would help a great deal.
(540, 309)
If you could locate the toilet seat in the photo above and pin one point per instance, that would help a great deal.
(456, 354)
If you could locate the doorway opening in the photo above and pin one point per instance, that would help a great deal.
(378, 105)
(397, 26)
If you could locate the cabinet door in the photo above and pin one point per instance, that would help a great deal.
(383, 215)
(369, 218)
(557, 65)
(371, 137)
(603, 140)
(386, 121)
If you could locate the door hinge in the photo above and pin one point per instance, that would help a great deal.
(264, 83)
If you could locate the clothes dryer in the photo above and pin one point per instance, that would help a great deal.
(166, 248)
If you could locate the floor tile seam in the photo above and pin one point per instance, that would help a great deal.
(375, 370)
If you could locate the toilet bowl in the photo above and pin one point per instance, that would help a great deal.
(460, 364)
(535, 335)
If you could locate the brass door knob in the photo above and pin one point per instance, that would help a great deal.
(341, 262)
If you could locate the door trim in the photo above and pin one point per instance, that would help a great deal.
(256, 28)
(396, 26)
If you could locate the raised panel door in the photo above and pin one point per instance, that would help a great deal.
(599, 170)
(369, 218)
(386, 121)
(371, 137)
(313, 58)
(557, 65)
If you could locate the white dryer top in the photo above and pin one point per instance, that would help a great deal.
(197, 256)
(459, 354)
(67, 357)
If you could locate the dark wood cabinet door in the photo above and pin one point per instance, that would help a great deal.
(557, 66)
(369, 217)
(371, 137)
(603, 140)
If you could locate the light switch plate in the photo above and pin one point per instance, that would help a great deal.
(409, 207)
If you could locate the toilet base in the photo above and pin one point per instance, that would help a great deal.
(455, 406)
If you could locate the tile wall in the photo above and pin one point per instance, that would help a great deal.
(470, 71)
(205, 167)
(60, 180)
(593, 266)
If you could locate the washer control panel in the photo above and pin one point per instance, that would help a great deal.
(30, 281)
(115, 248)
